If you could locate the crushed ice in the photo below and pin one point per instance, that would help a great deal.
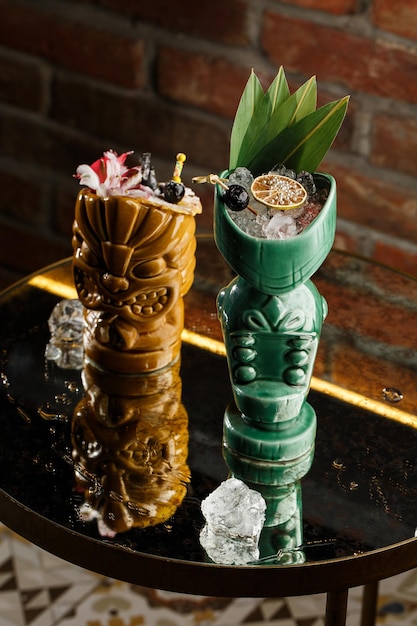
(268, 223)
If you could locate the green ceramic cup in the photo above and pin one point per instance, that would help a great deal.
(277, 266)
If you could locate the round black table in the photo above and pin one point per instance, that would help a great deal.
(359, 498)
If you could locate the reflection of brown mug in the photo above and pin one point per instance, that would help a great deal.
(130, 447)
(133, 263)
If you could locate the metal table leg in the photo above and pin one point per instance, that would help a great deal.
(369, 604)
(336, 607)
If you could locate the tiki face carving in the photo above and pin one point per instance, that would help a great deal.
(144, 293)
(133, 263)
(271, 343)
(130, 445)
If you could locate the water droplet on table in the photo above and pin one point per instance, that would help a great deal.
(338, 465)
(392, 395)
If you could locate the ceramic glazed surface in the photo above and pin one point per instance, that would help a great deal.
(273, 266)
(271, 316)
(271, 341)
(133, 263)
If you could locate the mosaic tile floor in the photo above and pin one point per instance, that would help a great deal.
(38, 589)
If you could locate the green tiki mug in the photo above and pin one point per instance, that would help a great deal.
(271, 316)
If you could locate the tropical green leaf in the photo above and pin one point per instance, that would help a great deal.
(278, 90)
(306, 100)
(303, 145)
(256, 128)
(294, 108)
(251, 96)
(277, 94)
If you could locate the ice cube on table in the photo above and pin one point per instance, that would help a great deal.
(235, 516)
(66, 324)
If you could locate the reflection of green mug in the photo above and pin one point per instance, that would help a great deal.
(277, 266)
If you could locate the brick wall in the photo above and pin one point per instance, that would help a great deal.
(81, 76)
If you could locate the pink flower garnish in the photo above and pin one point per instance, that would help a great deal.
(109, 176)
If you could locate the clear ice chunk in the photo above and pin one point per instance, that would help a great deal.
(259, 221)
(247, 222)
(307, 181)
(66, 324)
(234, 516)
(281, 226)
(241, 176)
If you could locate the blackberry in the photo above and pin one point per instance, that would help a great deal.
(173, 192)
(236, 198)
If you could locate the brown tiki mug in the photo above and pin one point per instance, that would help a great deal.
(133, 263)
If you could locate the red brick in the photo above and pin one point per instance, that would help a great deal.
(397, 17)
(337, 7)
(141, 124)
(387, 207)
(50, 146)
(359, 312)
(347, 242)
(77, 46)
(64, 196)
(392, 283)
(211, 19)
(22, 83)
(27, 251)
(213, 84)
(396, 257)
(200, 311)
(374, 66)
(22, 197)
(394, 142)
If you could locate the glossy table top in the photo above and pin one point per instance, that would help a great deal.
(359, 498)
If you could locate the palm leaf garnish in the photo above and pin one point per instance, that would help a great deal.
(277, 127)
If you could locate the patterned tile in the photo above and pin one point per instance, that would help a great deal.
(38, 589)
(397, 601)
(117, 604)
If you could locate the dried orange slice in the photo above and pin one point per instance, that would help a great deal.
(278, 192)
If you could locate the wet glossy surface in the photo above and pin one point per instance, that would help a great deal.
(359, 497)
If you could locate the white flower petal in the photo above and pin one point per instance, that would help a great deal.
(103, 191)
(87, 176)
(133, 180)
